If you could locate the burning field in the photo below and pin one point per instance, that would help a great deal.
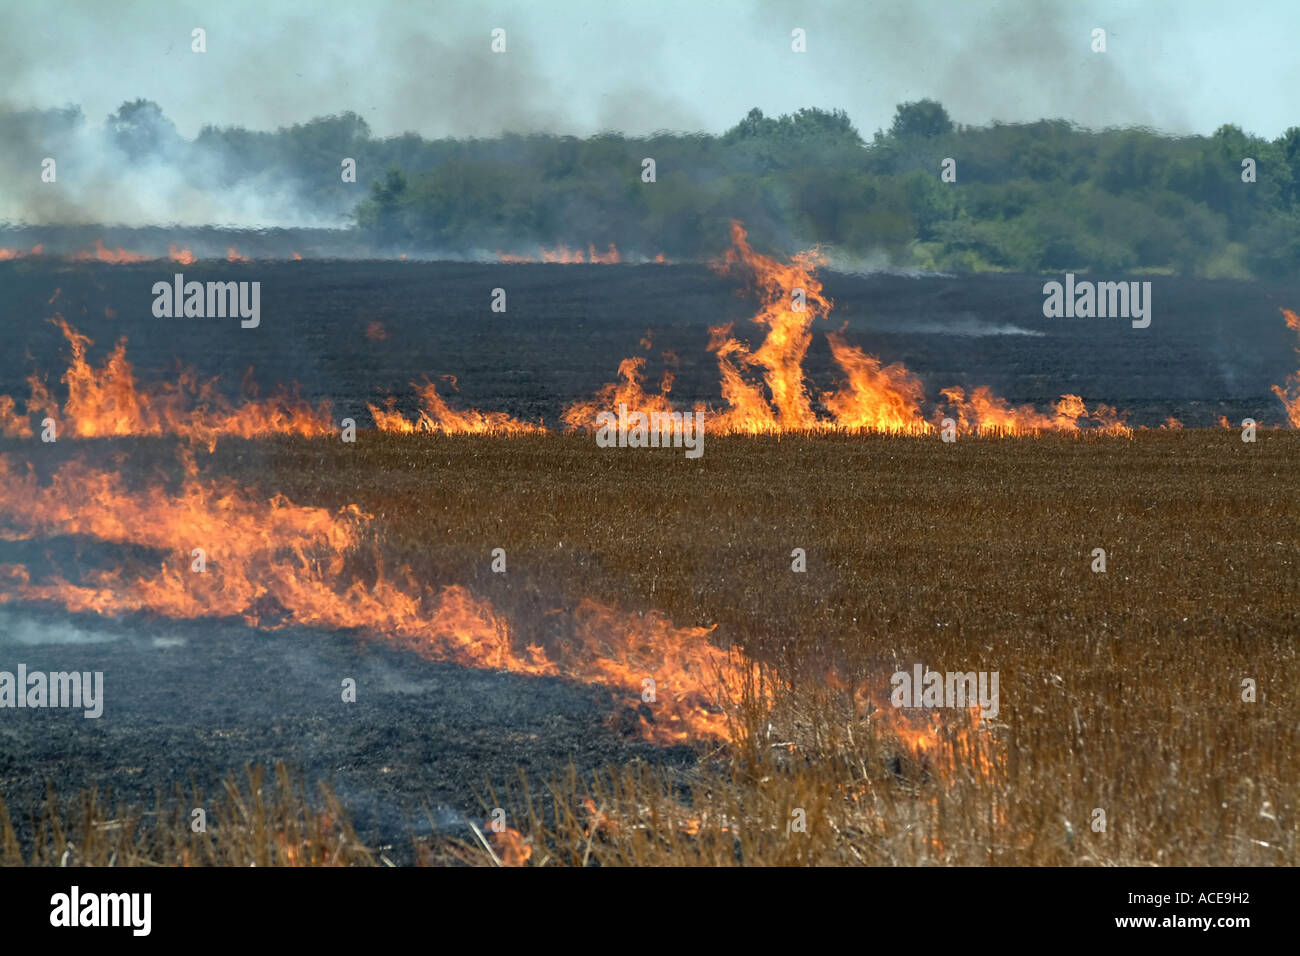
(376, 539)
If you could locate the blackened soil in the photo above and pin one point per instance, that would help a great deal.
(189, 701)
(1213, 347)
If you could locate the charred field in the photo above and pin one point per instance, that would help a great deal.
(523, 690)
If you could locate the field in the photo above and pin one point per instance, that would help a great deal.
(768, 734)
(1119, 690)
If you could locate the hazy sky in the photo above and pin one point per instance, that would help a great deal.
(577, 66)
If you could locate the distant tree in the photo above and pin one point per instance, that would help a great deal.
(140, 129)
(382, 213)
(922, 119)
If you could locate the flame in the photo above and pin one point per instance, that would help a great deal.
(106, 401)
(877, 399)
(376, 332)
(232, 255)
(765, 390)
(1290, 393)
(437, 416)
(512, 847)
(35, 250)
(987, 414)
(941, 739)
(564, 254)
(295, 257)
(102, 254)
(273, 564)
(629, 390)
(13, 425)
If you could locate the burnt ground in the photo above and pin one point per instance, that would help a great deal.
(192, 700)
(187, 701)
(1213, 347)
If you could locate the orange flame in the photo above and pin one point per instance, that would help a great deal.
(184, 256)
(942, 739)
(273, 564)
(1290, 393)
(106, 401)
(564, 254)
(437, 416)
(630, 390)
(512, 847)
(765, 390)
(102, 254)
(35, 250)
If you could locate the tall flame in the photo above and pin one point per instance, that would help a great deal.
(1290, 393)
(106, 401)
(765, 390)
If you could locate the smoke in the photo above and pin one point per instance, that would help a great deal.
(135, 169)
(1001, 60)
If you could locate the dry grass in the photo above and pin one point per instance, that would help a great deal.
(1119, 691)
(252, 822)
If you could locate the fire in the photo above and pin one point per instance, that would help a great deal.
(941, 740)
(13, 425)
(987, 414)
(274, 564)
(232, 255)
(106, 401)
(629, 390)
(1290, 393)
(437, 416)
(765, 390)
(512, 847)
(35, 250)
(295, 257)
(875, 398)
(563, 254)
(102, 254)
(184, 256)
